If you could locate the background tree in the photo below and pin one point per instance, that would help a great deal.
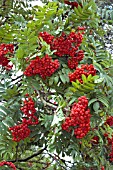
(56, 86)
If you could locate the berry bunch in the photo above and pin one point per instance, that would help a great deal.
(6, 50)
(48, 38)
(45, 67)
(73, 61)
(72, 4)
(29, 107)
(110, 143)
(79, 118)
(65, 44)
(21, 131)
(81, 28)
(109, 121)
(95, 140)
(85, 69)
(29, 110)
(10, 164)
(111, 153)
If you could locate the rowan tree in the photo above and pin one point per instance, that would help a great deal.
(56, 109)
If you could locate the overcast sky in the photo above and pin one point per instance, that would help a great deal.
(36, 2)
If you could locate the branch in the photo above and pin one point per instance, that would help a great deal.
(29, 157)
(17, 77)
(39, 162)
(64, 161)
(57, 159)
(46, 103)
(17, 153)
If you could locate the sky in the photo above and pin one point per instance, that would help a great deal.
(36, 2)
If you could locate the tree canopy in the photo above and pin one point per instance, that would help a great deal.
(56, 109)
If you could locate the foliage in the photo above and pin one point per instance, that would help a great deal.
(49, 146)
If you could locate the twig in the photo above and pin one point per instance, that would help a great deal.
(29, 157)
(57, 160)
(17, 77)
(17, 153)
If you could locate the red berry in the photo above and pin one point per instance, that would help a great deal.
(102, 168)
(85, 69)
(6, 51)
(79, 118)
(45, 67)
(10, 164)
(21, 131)
(65, 44)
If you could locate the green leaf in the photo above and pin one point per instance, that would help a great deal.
(95, 77)
(20, 53)
(72, 89)
(92, 101)
(46, 120)
(75, 85)
(51, 81)
(84, 78)
(8, 122)
(6, 111)
(98, 67)
(72, 101)
(89, 77)
(62, 77)
(96, 106)
(103, 99)
(56, 79)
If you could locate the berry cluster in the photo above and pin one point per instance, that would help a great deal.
(10, 164)
(81, 28)
(29, 110)
(110, 143)
(48, 38)
(79, 118)
(45, 67)
(6, 50)
(85, 69)
(95, 140)
(109, 121)
(66, 45)
(72, 4)
(73, 61)
(21, 131)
